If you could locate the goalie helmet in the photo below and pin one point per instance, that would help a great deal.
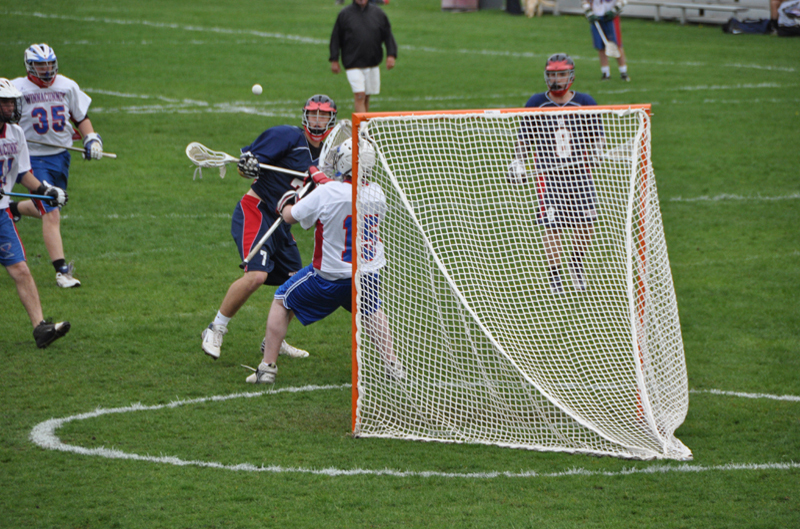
(559, 73)
(42, 64)
(316, 124)
(343, 160)
(10, 102)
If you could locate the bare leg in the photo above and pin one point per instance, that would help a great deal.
(552, 247)
(376, 326)
(277, 325)
(51, 228)
(361, 101)
(240, 291)
(26, 288)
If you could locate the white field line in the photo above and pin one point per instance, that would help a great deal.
(300, 39)
(737, 198)
(44, 435)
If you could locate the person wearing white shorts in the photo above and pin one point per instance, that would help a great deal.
(359, 35)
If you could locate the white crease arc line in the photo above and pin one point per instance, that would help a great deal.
(44, 435)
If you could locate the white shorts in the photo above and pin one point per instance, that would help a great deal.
(367, 80)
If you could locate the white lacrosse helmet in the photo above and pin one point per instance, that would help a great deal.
(343, 160)
(41, 63)
(9, 94)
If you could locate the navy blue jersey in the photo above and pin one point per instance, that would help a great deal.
(560, 141)
(282, 146)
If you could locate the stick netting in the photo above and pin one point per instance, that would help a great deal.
(491, 353)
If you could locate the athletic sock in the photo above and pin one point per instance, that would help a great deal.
(605, 70)
(623, 69)
(221, 319)
(60, 265)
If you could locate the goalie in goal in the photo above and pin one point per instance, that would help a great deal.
(323, 286)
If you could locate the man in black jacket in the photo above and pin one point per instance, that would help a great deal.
(360, 30)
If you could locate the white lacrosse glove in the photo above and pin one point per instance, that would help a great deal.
(248, 165)
(92, 146)
(59, 196)
(516, 173)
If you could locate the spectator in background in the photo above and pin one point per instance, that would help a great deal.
(606, 14)
(360, 32)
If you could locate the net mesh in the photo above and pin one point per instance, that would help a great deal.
(490, 352)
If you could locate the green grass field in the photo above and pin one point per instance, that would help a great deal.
(153, 250)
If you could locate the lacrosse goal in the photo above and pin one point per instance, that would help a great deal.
(490, 352)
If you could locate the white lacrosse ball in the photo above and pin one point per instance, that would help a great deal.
(257, 89)
(516, 173)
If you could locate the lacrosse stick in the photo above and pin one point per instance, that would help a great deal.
(611, 49)
(76, 149)
(261, 242)
(202, 156)
(342, 131)
(24, 195)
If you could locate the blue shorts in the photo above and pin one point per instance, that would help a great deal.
(279, 256)
(11, 250)
(312, 297)
(611, 30)
(51, 169)
(566, 200)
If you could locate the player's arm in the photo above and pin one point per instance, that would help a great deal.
(92, 143)
(58, 195)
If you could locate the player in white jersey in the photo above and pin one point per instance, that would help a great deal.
(51, 104)
(606, 14)
(320, 288)
(15, 167)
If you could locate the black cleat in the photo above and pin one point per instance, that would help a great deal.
(46, 333)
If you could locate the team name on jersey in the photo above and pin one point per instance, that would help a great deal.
(44, 97)
(7, 149)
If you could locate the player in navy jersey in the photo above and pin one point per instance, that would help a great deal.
(15, 167)
(51, 103)
(323, 286)
(284, 146)
(561, 145)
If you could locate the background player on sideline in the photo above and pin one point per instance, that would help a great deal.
(606, 13)
(565, 190)
(15, 166)
(283, 146)
(320, 288)
(51, 103)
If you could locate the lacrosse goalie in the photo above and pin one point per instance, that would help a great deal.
(323, 286)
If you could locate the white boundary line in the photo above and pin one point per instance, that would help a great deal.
(44, 435)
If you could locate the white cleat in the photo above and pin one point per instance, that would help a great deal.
(265, 374)
(286, 350)
(212, 340)
(65, 280)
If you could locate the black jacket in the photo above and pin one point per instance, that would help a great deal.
(358, 34)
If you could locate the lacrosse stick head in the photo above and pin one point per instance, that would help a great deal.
(341, 132)
(203, 157)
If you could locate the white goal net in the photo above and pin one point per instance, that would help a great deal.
(527, 287)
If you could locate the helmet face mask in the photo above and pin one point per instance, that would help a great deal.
(41, 64)
(559, 73)
(319, 116)
(10, 102)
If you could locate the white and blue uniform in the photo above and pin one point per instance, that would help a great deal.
(47, 116)
(325, 285)
(601, 8)
(14, 163)
(564, 184)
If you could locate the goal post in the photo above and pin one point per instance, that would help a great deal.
(511, 283)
